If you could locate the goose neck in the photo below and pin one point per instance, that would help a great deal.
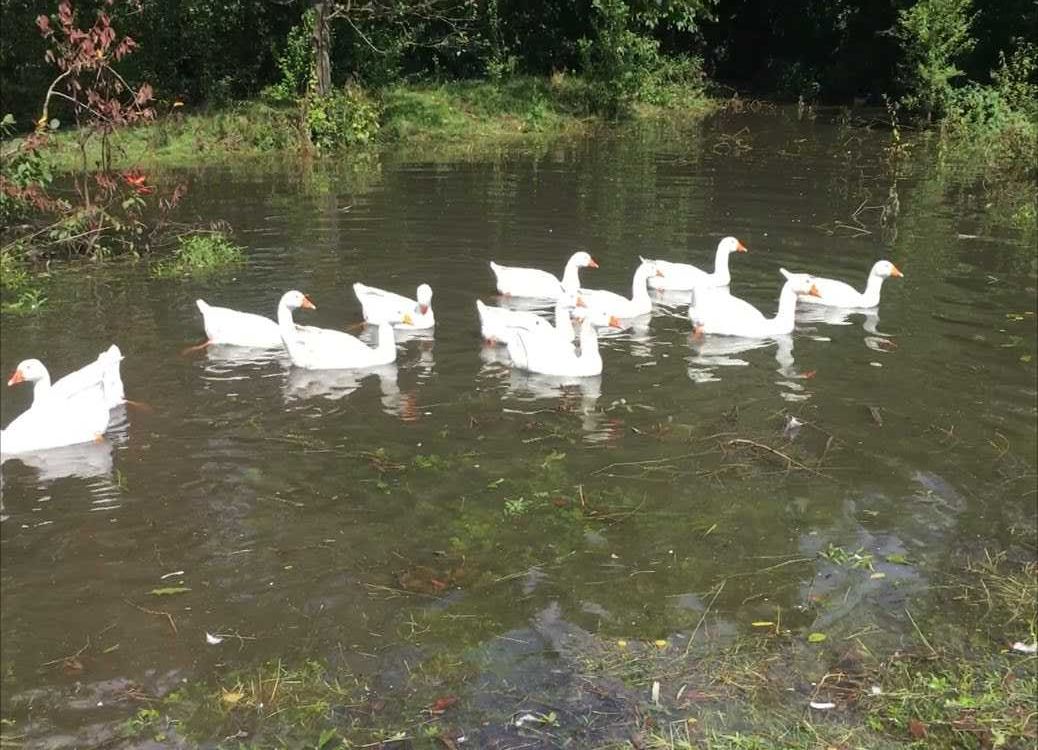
(872, 290)
(721, 275)
(787, 306)
(571, 277)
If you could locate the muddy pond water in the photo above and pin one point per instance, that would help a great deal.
(450, 505)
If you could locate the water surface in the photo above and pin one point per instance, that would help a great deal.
(325, 514)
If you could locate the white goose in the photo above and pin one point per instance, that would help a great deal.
(548, 356)
(325, 349)
(602, 302)
(104, 371)
(498, 324)
(730, 316)
(838, 294)
(683, 276)
(81, 417)
(226, 326)
(533, 282)
(378, 305)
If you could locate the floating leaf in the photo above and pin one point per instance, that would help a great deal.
(816, 637)
(232, 697)
(762, 624)
(442, 704)
(661, 643)
(878, 575)
(169, 591)
(897, 558)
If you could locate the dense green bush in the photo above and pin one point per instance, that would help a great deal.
(935, 35)
(617, 62)
(347, 117)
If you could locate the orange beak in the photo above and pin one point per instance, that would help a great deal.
(423, 309)
(895, 272)
(308, 304)
(740, 248)
(581, 302)
(614, 322)
(593, 263)
(813, 291)
(16, 377)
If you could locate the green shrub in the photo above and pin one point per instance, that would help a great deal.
(934, 35)
(618, 63)
(349, 117)
(199, 253)
(295, 64)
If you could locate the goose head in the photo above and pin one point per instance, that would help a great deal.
(424, 297)
(731, 245)
(28, 371)
(584, 260)
(801, 283)
(885, 269)
(295, 300)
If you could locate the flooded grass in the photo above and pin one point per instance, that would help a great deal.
(199, 253)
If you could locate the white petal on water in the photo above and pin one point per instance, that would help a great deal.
(212, 640)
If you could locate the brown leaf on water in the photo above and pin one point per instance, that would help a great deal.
(72, 666)
(442, 704)
(917, 729)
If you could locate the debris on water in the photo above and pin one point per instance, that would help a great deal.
(792, 427)
(877, 416)
(656, 692)
(820, 706)
(170, 575)
(876, 690)
(1026, 648)
(213, 640)
(442, 704)
(875, 364)
(816, 637)
(169, 591)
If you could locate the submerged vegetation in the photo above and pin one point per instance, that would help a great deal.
(199, 253)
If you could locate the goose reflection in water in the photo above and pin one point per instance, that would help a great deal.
(83, 460)
(570, 395)
(712, 352)
(333, 385)
(841, 316)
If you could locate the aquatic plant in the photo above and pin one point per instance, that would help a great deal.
(199, 252)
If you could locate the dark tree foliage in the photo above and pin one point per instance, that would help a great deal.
(214, 51)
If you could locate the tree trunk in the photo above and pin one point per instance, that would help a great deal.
(322, 46)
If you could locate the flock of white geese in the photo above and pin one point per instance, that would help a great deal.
(75, 409)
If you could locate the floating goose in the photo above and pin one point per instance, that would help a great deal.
(731, 316)
(59, 419)
(379, 305)
(315, 348)
(498, 324)
(684, 277)
(104, 371)
(603, 302)
(838, 294)
(548, 356)
(532, 282)
(226, 326)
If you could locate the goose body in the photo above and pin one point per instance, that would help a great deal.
(55, 422)
(226, 326)
(727, 315)
(684, 276)
(315, 348)
(498, 324)
(835, 293)
(548, 356)
(378, 305)
(103, 372)
(602, 302)
(533, 282)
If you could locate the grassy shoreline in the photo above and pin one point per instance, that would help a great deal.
(461, 114)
